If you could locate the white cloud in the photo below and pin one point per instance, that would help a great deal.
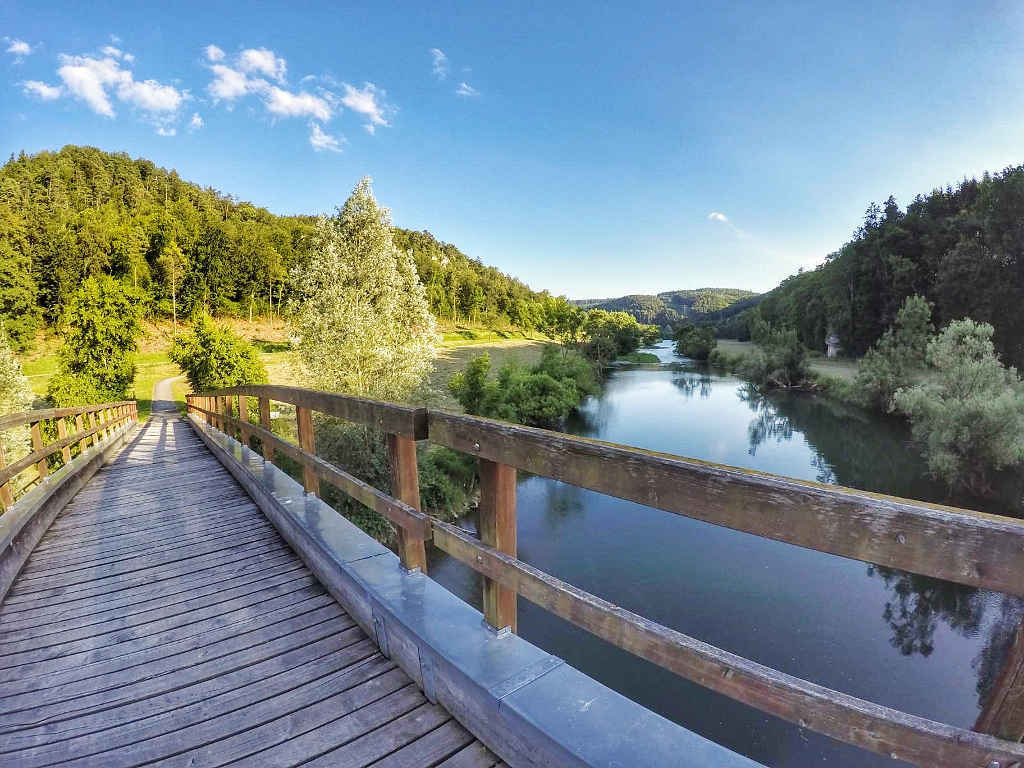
(196, 122)
(716, 216)
(42, 90)
(115, 39)
(321, 141)
(88, 79)
(166, 131)
(370, 101)
(228, 84)
(18, 47)
(465, 89)
(440, 63)
(287, 104)
(213, 53)
(263, 61)
(109, 50)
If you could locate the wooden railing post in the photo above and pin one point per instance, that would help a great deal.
(6, 495)
(498, 530)
(243, 416)
(1003, 715)
(304, 421)
(79, 428)
(268, 448)
(42, 466)
(405, 486)
(62, 432)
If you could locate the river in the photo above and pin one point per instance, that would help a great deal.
(924, 646)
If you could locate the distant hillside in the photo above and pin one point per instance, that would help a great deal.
(78, 212)
(669, 307)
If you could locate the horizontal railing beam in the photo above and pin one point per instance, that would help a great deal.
(846, 718)
(399, 513)
(15, 469)
(12, 420)
(388, 417)
(957, 545)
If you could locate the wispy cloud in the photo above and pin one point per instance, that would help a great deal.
(721, 218)
(369, 101)
(166, 131)
(41, 90)
(213, 53)
(465, 89)
(18, 48)
(321, 141)
(262, 61)
(96, 81)
(195, 123)
(440, 67)
(303, 104)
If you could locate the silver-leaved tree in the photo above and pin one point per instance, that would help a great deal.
(360, 318)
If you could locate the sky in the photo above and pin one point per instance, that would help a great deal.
(592, 149)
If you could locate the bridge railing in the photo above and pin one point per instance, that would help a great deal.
(75, 430)
(958, 545)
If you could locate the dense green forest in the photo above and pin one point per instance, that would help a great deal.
(961, 248)
(668, 308)
(81, 212)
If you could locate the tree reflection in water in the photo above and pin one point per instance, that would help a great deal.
(861, 450)
(692, 383)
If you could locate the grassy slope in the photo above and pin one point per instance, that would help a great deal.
(458, 347)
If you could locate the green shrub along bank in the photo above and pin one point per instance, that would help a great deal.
(695, 342)
(539, 396)
(212, 357)
(965, 408)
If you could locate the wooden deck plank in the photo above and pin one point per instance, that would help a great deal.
(163, 620)
(476, 755)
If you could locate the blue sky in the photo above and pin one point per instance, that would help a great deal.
(594, 149)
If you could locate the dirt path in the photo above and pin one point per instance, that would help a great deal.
(163, 397)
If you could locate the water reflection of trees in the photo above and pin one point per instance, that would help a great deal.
(858, 449)
(917, 604)
(694, 383)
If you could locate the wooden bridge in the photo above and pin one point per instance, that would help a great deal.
(171, 596)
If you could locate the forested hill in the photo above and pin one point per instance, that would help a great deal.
(961, 248)
(664, 309)
(81, 211)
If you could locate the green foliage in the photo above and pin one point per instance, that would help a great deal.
(541, 396)
(695, 342)
(890, 364)
(447, 481)
(780, 360)
(960, 248)
(15, 397)
(970, 416)
(609, 335)
(212, 357)
(99, 328)
(68, 215)
(360, 316)
(460, 289)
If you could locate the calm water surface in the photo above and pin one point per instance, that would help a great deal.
(917, 644)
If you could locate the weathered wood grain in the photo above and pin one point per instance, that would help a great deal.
(846, 718)
(388, 417)
(958, 545)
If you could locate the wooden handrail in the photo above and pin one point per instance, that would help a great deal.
(100, 430)
(388, 417)
(944, 542)
(12, 420)
(959, 545)
(845, 718)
